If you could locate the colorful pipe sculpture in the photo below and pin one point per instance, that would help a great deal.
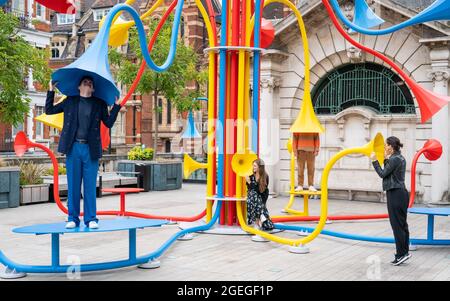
(429, 102)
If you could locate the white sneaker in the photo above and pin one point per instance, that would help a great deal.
(312, 188)
(93, 225)
(299, 188)
(71, 225)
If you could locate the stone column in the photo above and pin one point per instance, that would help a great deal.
(440, 130)
(269, 128)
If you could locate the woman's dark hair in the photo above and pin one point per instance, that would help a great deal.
(262, 175)
(395, 143)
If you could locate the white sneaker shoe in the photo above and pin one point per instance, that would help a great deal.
(93, 225)
(299, 188)
(71, 225)
(312, 188)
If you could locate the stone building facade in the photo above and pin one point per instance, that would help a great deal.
(422, 51)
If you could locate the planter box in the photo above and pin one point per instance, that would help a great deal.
(166, 176)
(153, 175)
(33, 194)
(9, 187)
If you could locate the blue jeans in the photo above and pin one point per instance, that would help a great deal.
(80, 167)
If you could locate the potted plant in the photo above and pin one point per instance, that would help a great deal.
(32, 189)
(9, 185)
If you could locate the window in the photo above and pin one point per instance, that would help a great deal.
(159, 111)
(18, 6)
(167, 146)
(64, 19)
(17, 129)
(40, 11)
(169, 112)
(55, 53)
(39, 125)
(365, 84)
(100, 13)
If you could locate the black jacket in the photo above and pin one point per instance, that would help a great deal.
(255, 185)
(69, 130)
(393, 174)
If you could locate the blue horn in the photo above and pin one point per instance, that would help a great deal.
(191, 131)
(438, 11)
(364, 16)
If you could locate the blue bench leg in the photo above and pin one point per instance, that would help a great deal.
(430, 234)
(132, 244)
(55, 249)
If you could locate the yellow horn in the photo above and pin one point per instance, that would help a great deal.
(118, 34)
(242, 164)
(376, 145)
(56, 120)
(307, 121)
(190, 165)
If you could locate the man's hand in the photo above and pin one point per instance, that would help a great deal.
(52, 85)
(373, 156)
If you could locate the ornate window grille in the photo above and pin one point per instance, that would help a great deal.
(365, 84)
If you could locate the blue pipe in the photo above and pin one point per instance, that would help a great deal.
(388, 240)
(423, 16)
(256, 63)
(142, 36)
(222, 89)
(109, 265)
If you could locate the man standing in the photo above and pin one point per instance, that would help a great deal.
(306, 148)
(80, 141)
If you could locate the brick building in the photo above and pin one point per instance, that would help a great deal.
(34, 26)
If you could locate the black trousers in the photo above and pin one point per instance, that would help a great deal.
(397, 204)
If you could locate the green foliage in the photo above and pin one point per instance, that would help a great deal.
(31, 173)
(138, 153)
(172, 83)
(61, 170)
(17, 56)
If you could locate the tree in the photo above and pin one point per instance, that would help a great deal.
(171, 83)
(17, 57)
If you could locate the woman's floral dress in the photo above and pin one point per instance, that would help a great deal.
(256, 205)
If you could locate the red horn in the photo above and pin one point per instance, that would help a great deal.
(21, 144)
(432, 149)
(429, 102)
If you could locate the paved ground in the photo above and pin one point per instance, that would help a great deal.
(218, 257)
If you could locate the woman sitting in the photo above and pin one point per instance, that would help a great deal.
(257, 195)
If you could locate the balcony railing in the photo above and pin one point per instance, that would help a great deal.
(24, 19)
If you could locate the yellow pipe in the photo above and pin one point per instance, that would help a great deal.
(323, 205)
(211, 107)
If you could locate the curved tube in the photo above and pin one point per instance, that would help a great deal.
(108, 265)
(142, 37)
(419, 18)
(389, 240)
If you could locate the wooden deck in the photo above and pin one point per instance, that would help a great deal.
(217, 257)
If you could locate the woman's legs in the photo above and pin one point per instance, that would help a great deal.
(397, 204)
